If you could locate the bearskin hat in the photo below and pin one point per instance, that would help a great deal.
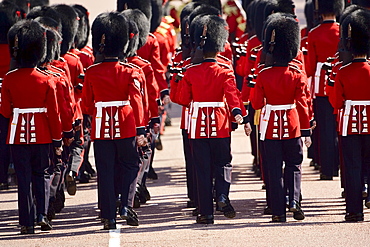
(363, 3)
(286, 6)
(141, 22)
(133, 41)
(26, 6)
(309, 14)
(27, 43)
(355, 35)
(188, 8)
(46, 11)
(259, 17)
(83, 33)
(9, 14)
(250, 17)
(203, 9)
(52, 44)
(347, 11)
(69, 19)
(327, 7)
(110, 34)
(245, 4)
(216, 33)
(215, 3)
(144, 5)
(281, 38)
(157, 14)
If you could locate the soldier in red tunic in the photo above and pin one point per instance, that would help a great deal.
(211, 90)
(351, 96)
(281, 91)
(29, 99)
(322, 42)
(112, 94)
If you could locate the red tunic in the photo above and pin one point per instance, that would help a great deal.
(278, 86)
(150, 51)
(75, 69)
(213, 86)
(86, 58)
(31, 88)
(114, 81)
(322, 42)
(150, 86)
(352, 84)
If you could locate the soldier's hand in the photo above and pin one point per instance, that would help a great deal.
(313, 125)
(247, 129)
(239, 119)
(67, 141)
(307, 141)
(58, 150)
(141, 141)
(156, 128)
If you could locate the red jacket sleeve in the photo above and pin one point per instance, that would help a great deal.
(53, 113)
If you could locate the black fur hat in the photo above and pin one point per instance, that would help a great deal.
(53, 40)
(250, 17)
(9, 14)
(133, 39)
(110, 34)
(141, 22)
(282, 38)
(347, 11)
(46, 11)
(216, 33)
(309, 14)
(259, 17)
(203, 9)
(355, 35)
(144, 5)
(215, 3)
(27, 5)
(83, 33)
(363, 3)
(246, 3)
(157, 14)
(188, 8)
(286, 6)
(330, 7)
(69, 19)
(27, 43)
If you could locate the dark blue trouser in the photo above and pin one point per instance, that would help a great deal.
(327, 136)
(276, 153)
(4, 149)
(356, 155)
(210, 157)
(108, 153)
(31, 163)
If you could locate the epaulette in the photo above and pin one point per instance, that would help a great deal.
(142, 59)
(150, 34)
(314, 28)
(345, 65)
(256, 49)
(169, 19)
(192, 65)
(93, 65)
(165, 25)
(42, 71)
(134, 65)
(130, 65)
(162, 31)
(266, 68)
(251, 37)
(294, 67)
(62, 59)
(11, 71)
(56, 68)
(297, 61)
(85, 53)
(223, 57)
(72, 54)
(224, 65)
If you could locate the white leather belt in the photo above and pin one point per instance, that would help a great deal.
(16, 112)
(317, 77)
(99, 112)
(194, 116)
(347, 109)
(266, 116)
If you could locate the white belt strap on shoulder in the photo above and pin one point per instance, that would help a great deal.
(194, 115)
(16, 112)
(347, 109)
(266, 116)
(99, 112)
(317, 77)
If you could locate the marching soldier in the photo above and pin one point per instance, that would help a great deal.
(210, 125)
(351, 96)
(29, 99)
(280, 91)
(112, 94)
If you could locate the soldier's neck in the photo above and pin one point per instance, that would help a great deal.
(328, 17)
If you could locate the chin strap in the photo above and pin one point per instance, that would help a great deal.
(269, 60)
(102, 44)
(198, 54)
(16, 46)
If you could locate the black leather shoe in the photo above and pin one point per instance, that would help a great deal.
(152, 174)
(4, 186)
(295, 207)
(190, 204)
(27, 230)
(136, 201)
(226, 207)
(325, 177)
(278, 218)
(205, 219)
(143, 193)
(71, 183)
(195, 212)
(317, 167)
(43, 221)
(354, 217)
(109, 224)
(312, 163)
(343, 194)
(128, 214)
(267, 211)
(367, 204)
(364, 191)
